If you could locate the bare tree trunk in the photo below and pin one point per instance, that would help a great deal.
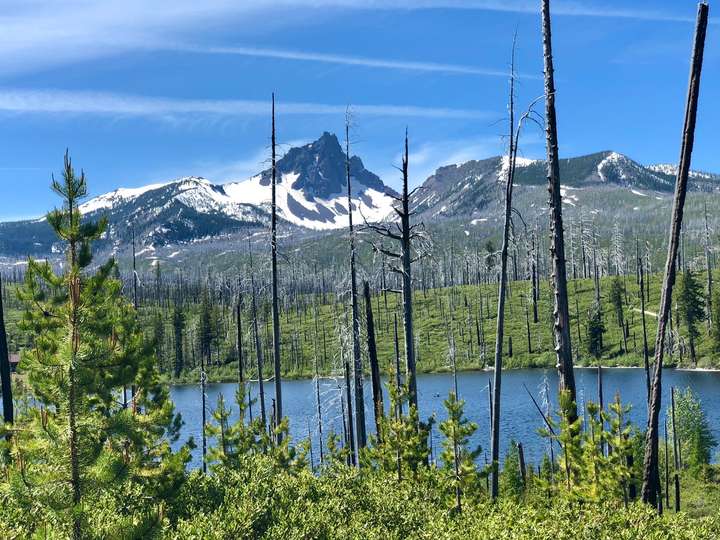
(708, 269)
(563, 347)
(317, 392)
(350, 428)
(644, 328)
(398, 382)
(406, 257)
(203, 407)
(258, 352)
(5, 377)
(676, 453)
(372, 356)
(275, 308)
(238, 309)
(357, 359)
(534, 277)
(521, 463)
(650, 464)
(502, 290)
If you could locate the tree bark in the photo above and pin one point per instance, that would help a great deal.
(563, 347)
(646, 355)
(650, 463)
(275, 308)
(5, 377)
(357, 359)
(406, 257)
(373, 358)
(708, 269)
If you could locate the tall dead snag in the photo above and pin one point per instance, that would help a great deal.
(373, 358)
(258, 347)
(404, 234)
(502, 287)
(317, 388)
(646, 359)
(708, 269)
(5, 382)
(563, 347)
(357, 359)
(353, 455)
(651, 478)
(239, 343)
(275, 308)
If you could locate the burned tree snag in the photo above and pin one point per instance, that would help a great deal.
(357, 359)
(5, 381)
(651, 481)
(275, 308)
(373, 358)
(563, 347)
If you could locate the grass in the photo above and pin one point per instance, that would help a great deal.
(468, 310)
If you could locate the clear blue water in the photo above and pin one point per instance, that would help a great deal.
(519, 418)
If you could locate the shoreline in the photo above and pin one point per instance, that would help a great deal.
(487, 369)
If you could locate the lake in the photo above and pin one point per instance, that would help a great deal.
(520, 419)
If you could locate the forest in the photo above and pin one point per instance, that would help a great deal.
(92, 445)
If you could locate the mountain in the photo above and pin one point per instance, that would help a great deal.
(311, 195)
(312, 187)
(469, 188)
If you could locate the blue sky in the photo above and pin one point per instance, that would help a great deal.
(148, 91)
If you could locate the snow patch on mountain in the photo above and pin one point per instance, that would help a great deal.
(567, 196)
(671, 170)
(313, 212)
(108, 201)
(519, 163)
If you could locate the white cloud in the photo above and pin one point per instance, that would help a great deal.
(428, 156)
(45, 33)
(349, 60)
(71, 102)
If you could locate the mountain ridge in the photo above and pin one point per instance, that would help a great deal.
(311, 196)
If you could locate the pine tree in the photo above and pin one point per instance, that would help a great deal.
(595, 330)
(457, 457)
(695, 438)
(690, 305)
(79, 443)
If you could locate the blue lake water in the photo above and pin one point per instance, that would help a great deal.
(519, 419)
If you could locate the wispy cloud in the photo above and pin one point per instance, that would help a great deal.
(349, 60)
(44, 33)
(429, 155)
(70, 102)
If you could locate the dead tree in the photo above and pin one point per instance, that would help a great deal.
(405, 235)
(238, 309)
(275, 308)
(646, 356)
(563, 347)
(373, 358)
(651, 478)
(5, 380)
(676, 453)
(357, 359)
(514, 135)
(258, 347)
(708, 269)
(317, 389)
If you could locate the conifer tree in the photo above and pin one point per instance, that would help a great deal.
(79, 443)
(457, 456)
(595, 330)
(690, 305)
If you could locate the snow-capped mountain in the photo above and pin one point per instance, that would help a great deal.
(311, 194)
(466, 189)
(312, 187)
